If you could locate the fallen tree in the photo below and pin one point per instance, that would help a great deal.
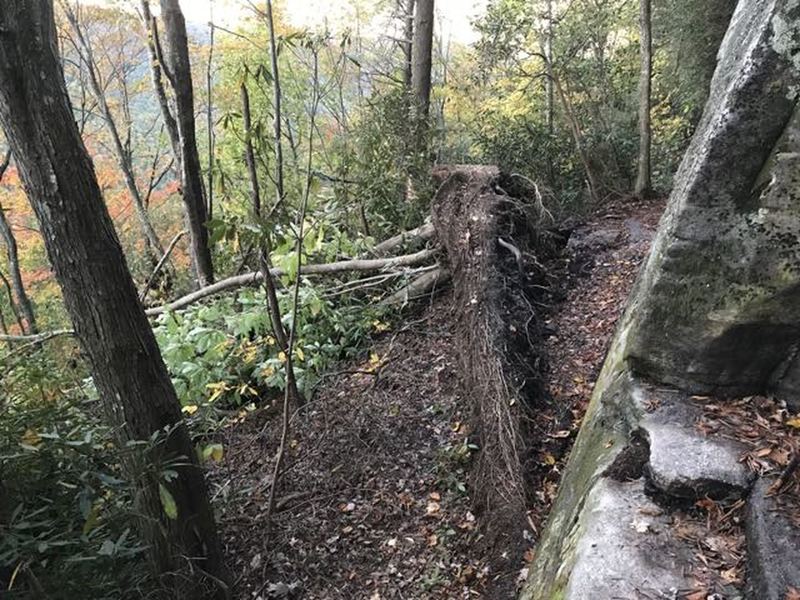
(495, 243)
(255, 278)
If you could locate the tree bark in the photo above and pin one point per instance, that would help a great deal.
(422, 51)
(191, 175)
(23, 307)
(101, 300)
(644, 178)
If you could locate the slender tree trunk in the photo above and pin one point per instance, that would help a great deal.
(23, 308)
(577, 136)
(644, 178)
(23, 302)
(276, 105)
(156, 65)
(269, 283)
(191, 173)
(548, 81)
(407, 7)
(210, 112)
(422, 51)
(101, 300)
(10, 296)
(249, 152)
(4, 330)
(124, 159)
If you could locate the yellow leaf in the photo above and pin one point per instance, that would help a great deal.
(167, 502)
(31, 438)
(190, 409)
(217, 389)
(380, 327)
(213, 452)
(549, 459)
(299, 353)
(282, 356)
(794, 422)
(91, 520)
(246, 390)
(267, 371)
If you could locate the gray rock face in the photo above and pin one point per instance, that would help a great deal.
(718, 303)
(685, 464)
(773, 547)
(626, 547)
(716, 308)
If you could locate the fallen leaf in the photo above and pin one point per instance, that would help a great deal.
(432, 508)
(529, 555)
(640, 525)
(31, 438)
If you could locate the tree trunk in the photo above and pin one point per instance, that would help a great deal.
(422, 51)
(644, 180)
(23, 303)
(577, 136)
(210, 111)
(276, 106)
(23, 308)
(10, 295)
(191, 175)
(548, 81)
(153, 44)
(269, 283)
(408, 36)
(101, 300)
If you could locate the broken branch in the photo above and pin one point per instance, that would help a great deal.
(253, 278)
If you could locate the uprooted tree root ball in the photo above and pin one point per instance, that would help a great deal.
(493, 229)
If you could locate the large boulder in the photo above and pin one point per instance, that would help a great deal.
(716, 307)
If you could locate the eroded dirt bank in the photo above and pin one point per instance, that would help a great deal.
(378, 499)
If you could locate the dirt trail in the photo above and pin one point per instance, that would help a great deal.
(376, 502)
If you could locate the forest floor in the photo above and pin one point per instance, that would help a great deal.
(375, 499)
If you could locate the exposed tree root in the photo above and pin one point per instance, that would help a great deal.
(496, 247)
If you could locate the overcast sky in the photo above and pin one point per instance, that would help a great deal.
(454, 15)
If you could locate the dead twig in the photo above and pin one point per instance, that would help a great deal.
(786, 474)
(160, 265)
